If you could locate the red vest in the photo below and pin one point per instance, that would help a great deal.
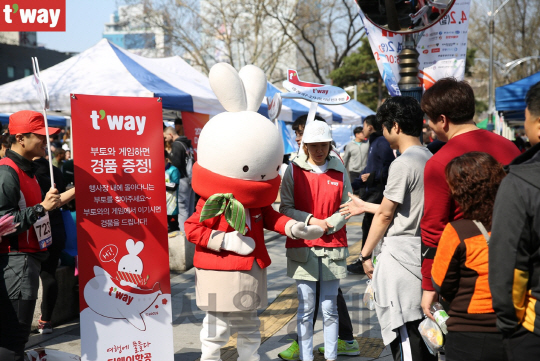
(30, 196)
(320, 195)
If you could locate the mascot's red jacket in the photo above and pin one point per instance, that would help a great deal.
(256, 197)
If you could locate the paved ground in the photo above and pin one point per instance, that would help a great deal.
(278, 321)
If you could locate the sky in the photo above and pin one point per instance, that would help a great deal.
(85, 21)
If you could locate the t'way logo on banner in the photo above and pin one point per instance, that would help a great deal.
(442, 49)
(125, 292)
(32, 15)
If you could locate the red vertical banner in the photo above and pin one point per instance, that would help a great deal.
(193, 124)
(125, 292)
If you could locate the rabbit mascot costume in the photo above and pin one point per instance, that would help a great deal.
(236, 175)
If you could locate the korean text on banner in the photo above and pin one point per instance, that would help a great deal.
(442, 49)
(125, 292)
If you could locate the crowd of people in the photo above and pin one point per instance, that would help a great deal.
(443, 223)
(454, 222)
(179, 159)
(469, 238)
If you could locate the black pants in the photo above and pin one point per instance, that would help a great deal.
(345, 331)
(474, 346)
(522, 345)
(49, 283)
(366, 225)
(419, 350)
(353, 176)
(15, 322)
(19, 275)
(172, 223)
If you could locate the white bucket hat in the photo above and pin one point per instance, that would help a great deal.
(317, 132)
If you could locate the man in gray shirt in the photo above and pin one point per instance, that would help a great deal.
(397, 279)
(356, 153)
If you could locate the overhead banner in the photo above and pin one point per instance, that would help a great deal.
(125, 292)
(193, 124)
(442, 49)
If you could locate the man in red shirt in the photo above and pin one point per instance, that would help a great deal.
(449, 105)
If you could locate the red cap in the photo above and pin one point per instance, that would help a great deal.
(28, 121)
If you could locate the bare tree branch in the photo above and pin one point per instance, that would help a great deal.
(517, 26)
(323, 31)
(312, 35)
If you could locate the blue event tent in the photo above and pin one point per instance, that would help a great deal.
(53, 120)
(359, 108)
(510, 98)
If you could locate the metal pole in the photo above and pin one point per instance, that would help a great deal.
(310, 118)
(408, 69)
(49, 153)
(491, 105)
(392, 15)
(71, 136)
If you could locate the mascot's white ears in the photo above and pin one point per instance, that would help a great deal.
(241, 91)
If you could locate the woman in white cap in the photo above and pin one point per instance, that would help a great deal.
(313, 188)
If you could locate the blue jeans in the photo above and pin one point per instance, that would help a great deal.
(306, 307)
(186, 202)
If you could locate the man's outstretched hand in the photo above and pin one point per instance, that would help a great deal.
(353, 207)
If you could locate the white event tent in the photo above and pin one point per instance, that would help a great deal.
(106, 69)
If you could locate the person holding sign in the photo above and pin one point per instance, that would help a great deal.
(49, 285)
(21, 254)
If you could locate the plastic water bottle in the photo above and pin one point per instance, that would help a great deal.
(440, 316)
(376, 251)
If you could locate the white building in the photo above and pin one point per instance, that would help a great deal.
(128, 30)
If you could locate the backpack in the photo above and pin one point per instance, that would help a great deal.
(190, 160)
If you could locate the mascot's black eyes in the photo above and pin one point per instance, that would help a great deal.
(246, 168)
(277, 168)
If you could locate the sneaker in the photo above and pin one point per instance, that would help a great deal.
(173, 234)
(44, 327)
(292, 353)
(345, 348)
(356, 268)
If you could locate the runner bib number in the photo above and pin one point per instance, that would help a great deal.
(43, 231)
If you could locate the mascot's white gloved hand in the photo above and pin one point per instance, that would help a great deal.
(238, 243)
(300, 230)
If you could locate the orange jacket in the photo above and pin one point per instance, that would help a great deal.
(460, 275)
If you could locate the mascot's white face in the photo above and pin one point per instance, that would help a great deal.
(240, 143)
(246, 147)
